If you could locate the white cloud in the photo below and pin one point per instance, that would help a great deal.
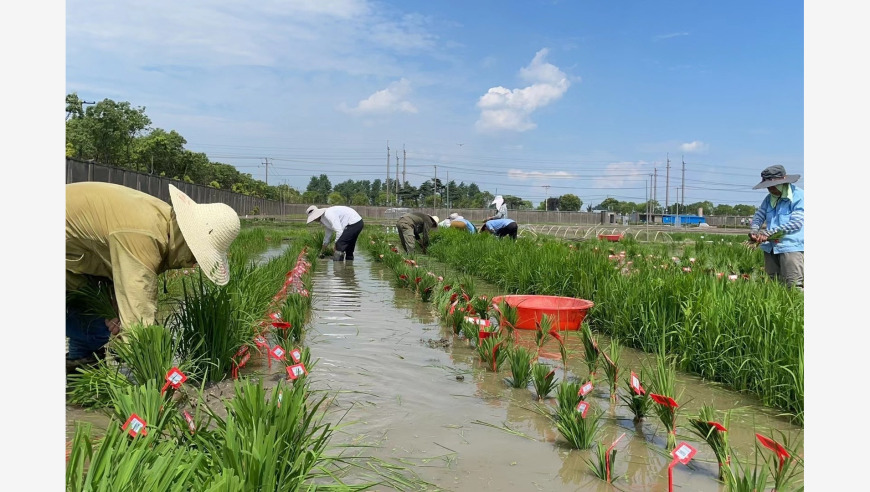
(389, 100)
(523, 175)
(622, 174)
(694, 147)
(671, 35)
(506, 109)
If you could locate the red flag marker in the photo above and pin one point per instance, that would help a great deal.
(190, 423)
(664, 400)
(135, 425)
(284, 325)
(718, 426)
(607, 455)
(774, 446)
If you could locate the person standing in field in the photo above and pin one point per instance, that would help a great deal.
(501, 211)
(414, 228)
(342, 221)
(500, 227)
(118, 240)
(782, 214)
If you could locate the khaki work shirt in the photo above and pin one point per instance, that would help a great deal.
(126, 236)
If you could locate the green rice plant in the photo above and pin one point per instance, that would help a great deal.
(611, 366)
(117, 462)
(146, 401)
(278, 442)
(508, 316)
(90, 386)
(580, 432)
(784, 464)
(148, 352)
(470, 331)
(743, 477)
(543, 379)
(521, 367)
(93, 298)
(638, 402)
(714, 434)
(294, 310)
(568, 395)
(664, 386)
(426, 286)
(603, 465)
(590, 347)
(542, 329)
(208, 328)
(481, 305)
(492, 352)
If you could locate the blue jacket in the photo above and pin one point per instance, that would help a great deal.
(495, 224)
(468, 225)
(788, 216)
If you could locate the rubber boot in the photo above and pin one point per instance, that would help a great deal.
(338, 256)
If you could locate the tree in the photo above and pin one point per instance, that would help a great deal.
(609, 204)
(570, 202)
(359, 199)
(321, 186)
(745, 210)
(723, 209)
(112, 127)
(159, 152)
(335, 198)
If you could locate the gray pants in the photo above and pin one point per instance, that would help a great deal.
(787, 268)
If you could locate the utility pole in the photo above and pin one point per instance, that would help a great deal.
(546, 197)
(404, 163)
(655, 183)
(267, 170)
(650, 190)
(668, 182)
(448, 192)
(397, 179)
(387, 182)
(683, 185)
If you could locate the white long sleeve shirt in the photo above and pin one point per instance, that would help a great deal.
(335, 219)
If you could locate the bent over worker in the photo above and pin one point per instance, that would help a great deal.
(121, 239)
(414, 228)
(342, 221)
(500, 227)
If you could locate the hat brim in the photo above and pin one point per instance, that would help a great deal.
(315, 215)
(788, 178)
(197, 222)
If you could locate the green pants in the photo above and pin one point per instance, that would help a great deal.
(787, 268)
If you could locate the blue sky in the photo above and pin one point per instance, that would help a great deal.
(545, 97)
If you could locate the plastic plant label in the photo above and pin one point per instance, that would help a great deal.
(585, 389)
(483, 335)
(607, 455)
(296, 355)
(277, 352)
(174, 378)
(242, 350)
(296, 371)
(583, 408)
(190, 423)
(635, 384)
(135, 425)
(261, 342)
(684, 453)
(275, 316)
(477, 321)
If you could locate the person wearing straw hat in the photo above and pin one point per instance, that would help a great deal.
(342, 221)
(120, 239)
(414, 229)
(459, 222)
(500, 208)
(782, 214)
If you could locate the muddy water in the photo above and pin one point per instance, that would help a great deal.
(421, 395)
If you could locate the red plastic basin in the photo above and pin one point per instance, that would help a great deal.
(567, 312)
(610, 237)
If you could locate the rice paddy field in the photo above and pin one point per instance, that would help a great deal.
(398, 372)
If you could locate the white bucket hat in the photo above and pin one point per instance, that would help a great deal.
(453, 216)
(208, 229)
(497, 201)
(314, 213)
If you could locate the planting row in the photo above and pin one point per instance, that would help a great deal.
(491, 329)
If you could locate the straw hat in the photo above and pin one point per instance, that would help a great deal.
(208, 229)
(435, 219)
(775, 175)
(314, 213)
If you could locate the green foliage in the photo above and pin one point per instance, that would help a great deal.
(716, 439)
(568, 396)
(543, 379)
(580, 432)
(521, 367)
(600, 466)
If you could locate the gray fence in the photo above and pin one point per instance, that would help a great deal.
(246, 205)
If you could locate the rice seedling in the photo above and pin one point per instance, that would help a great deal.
(492, 353)
(148, 353)
(605, 459)
(521, 367)
(95, 299)
(208, 328)
(567, 396)
(611, 366)
(470, 331)
(145, 400)
(543, 327)
(590, 347)
(741, 477)
(578, 429)
(663, 385)
(714, 434)
(294, 311)
(481, 305)
(508, 317)
(543, 379)
(89, 386)
(637, 400)
(783, 464)
(426, 287)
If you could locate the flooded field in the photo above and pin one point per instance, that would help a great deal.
(419, 395)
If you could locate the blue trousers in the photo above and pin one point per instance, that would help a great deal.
(86, 334)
